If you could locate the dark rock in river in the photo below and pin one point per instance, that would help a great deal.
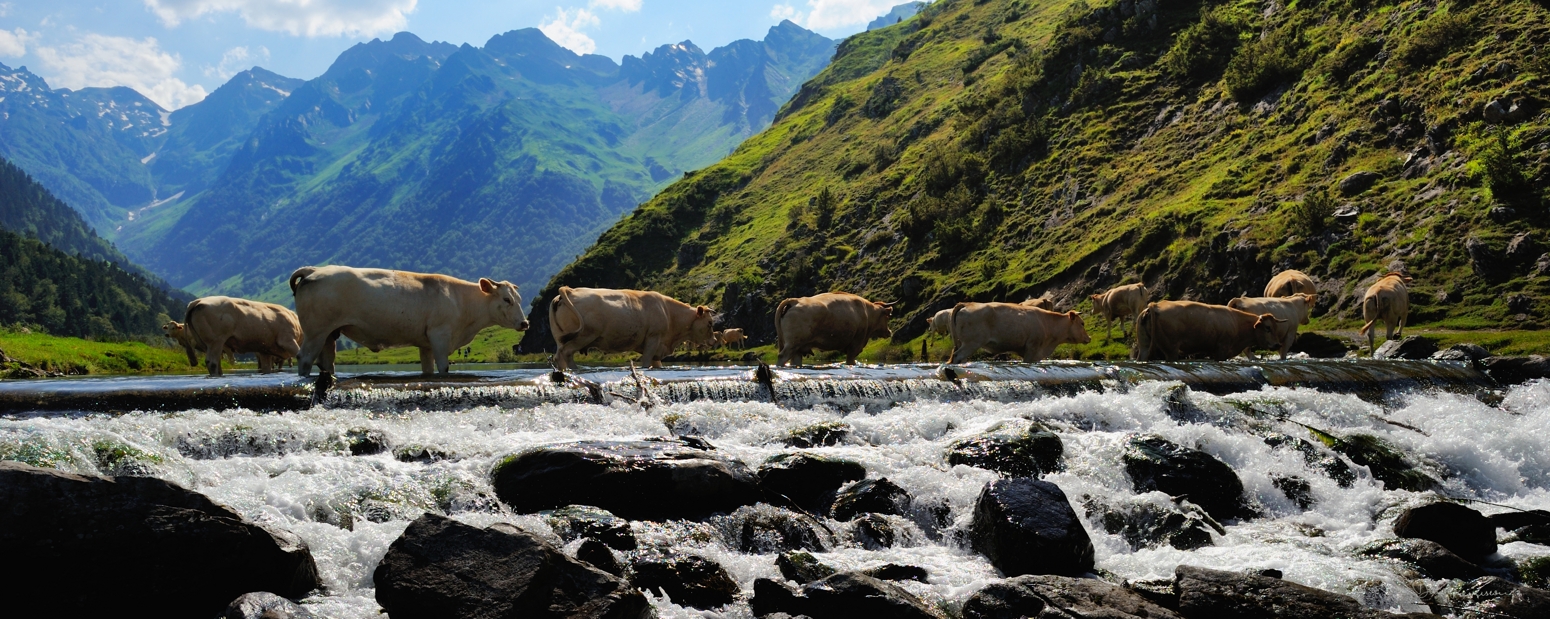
(1230, 595)
(1466, 532)
(1060, 596)
(765, 528)
(823, 434)
(894, 571)
(874, 531)
(1320, 346)
(1144, 524)
(802, 567)
(1493, 597)
(1412, 347)
(365, 441)
(878, 496)
(808, 480)
(1026, 526)
(688, 580)
(1429, 557)
(1463, 351)
(264, 605)
(1509, 521)
(1018, 448)
(584, 521)
(1385, 462)
(1514, 370)
(441, 568)
(846, 595)
(1331, 464)
(89, 545)
(638, 480)
(597, 554)
(1155, 463)
(1295, 489)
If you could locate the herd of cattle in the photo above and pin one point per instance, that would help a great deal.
(380, 309)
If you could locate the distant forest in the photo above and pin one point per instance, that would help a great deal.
(58, 276)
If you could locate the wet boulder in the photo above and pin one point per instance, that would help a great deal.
(639, 480)
(894, 571)
(1464, 531)
(1212, 593)
(876, 496)
(264, 605)
(688, 580)
(809, 481)
(1412, 347)
(440, 567)
(1155, 463)
(1532, 526)
(1328, 463)
(1018, 448)
(874, 532)
(1385, 462)
(802, 567)
(765, 528)
(1463, 351)
(1295, 489)
(1320, 346)
(597, 554)
(94, 545)
(845, 595)
(1149, 524)
(1515, 370)
(1428, 557)
(365, 441)
(1060, 596)
(1490, 596)
(822, 434)
(574, 522)
(1026, 526)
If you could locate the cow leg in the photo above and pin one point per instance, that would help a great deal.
(265, 362)
(330, 348)
(311, 352)
(1389, 328)
(1372, 337)
(1286, 346)
(213, 357)
(963, 350)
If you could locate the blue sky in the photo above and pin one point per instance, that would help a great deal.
(176, 51)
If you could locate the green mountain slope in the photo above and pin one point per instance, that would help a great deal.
(28, 209)
(989, 150)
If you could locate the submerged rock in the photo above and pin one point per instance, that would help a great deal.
(441, 567)
(1144, 524)
(1018, 448)
(584, 521)
(824, 434)
(92, 545)
(597, 554)
(894, 571)
(1155, 463)
(874, 531)
(877, 496)
(365, 441)
(1295, 489)
(1212, 593)
(1026, 526)
(1464, 531)
(808, 480)
(639, 480)
(765, 528)
(264, 605)
(1060, 596)
(688, 580)
(802, 567)
(1490, 596)
(1385, 462)
(845, 595)
(1328, 463)
(1428, 557)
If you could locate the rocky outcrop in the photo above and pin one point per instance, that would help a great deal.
(809, 481)
(442, 568)
(1357, 182)
(265, 605)
(1026, 526)
(639, 480)
(584, 521)
(1228, 595)
(99, 545)
(845, 595)
(1018, 448)
(688, 580)
(1464, 531)
(1155, 463)
(1060, 596)
(1427, 557)
(876, 496)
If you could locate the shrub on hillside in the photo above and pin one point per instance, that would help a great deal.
(1261, 64)
(1434, 38)
(1201, 51)
(1350, 57)
(1503, 171)
(1311, 215)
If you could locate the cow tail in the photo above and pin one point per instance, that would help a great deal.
(780, 312)
(952, 321)
(188, 321)
(564, 297)
(1373, 301)
(1145, 321)
(299, 275)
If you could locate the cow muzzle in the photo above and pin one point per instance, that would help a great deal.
(522, 326)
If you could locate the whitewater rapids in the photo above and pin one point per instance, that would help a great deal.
(294, 470)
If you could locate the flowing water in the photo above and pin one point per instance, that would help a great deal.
(293, 469)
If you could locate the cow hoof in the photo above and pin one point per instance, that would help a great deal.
(557, 377)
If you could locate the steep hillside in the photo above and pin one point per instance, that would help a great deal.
(993, 149)
(28, 209)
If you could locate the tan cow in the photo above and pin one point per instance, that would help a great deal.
(185, 339)
(1293, 309)
(1177, 329)
(1005, 327)
(1123, 303)
(379, 308)
(650, 323)
(1387, 299)
(1290, 282)
(1040, 302)
(225, 323)
(732, 336)
(941, 323)
(830, 321)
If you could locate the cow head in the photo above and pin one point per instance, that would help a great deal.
(700, 329)
(505, 303)
(1236, 304)
(1077, 331)
(879, 326)
(172, 328)
(1267, 331)
(1312, 300)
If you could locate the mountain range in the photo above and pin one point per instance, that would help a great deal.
(500, 161)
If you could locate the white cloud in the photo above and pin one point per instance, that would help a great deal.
(565, 29)
(237, 59)
(785, 11)
(312, 18)
(628, 6)
(829, 14)
(97, 60)
(5, 9)
(13, 44)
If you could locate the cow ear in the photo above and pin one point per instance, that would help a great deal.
(701, 310)
(486, 285)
